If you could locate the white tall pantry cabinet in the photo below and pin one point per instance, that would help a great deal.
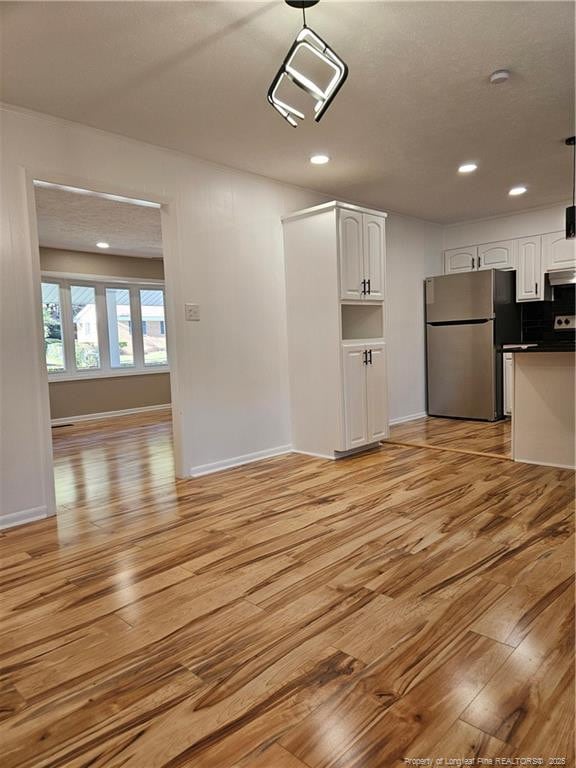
(335, 257)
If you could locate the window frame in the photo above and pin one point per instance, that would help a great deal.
(100, 284)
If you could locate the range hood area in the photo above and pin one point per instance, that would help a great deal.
(562, 277)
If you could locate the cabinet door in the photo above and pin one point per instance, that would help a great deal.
(355, 395)
(376, 381)
(460, 260)
(558, 252)
(350, 254)
(497, 255)
(374, 256)
(508, 389)
(530, 275)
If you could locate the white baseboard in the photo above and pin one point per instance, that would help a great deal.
(315, 455)
(109, 414)
(24, 516)
(410, 417)
(545, 464)
(237, 461)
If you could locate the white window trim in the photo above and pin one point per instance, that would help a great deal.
(100, 284)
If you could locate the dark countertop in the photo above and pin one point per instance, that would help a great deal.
(542, 347)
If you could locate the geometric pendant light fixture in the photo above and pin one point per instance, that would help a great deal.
(308, 50)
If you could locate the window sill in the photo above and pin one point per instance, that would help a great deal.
(89, 375)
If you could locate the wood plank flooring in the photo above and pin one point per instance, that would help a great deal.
(293, 613)
(484, 437)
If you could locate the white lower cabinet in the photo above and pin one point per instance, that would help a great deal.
(365, 394)
(376, 385)
(508, 389)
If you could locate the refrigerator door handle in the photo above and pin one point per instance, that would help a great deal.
(460, 322)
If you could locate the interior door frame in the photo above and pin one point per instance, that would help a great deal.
(169, 231)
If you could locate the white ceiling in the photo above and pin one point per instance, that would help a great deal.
(76, 222)
(193, 76)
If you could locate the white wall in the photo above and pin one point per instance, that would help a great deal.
(223, 250)
(413, 252)
(522, 224)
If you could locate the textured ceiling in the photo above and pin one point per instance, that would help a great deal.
(77, 222)
(193, 76)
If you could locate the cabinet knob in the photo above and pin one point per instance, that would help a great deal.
(368, 284)
(363, 291)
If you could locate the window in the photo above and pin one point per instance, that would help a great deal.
(86, 349)
(120, 327)
(102, 329)
(52, 319)
(153, 327)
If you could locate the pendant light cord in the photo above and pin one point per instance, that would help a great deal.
(304, 14)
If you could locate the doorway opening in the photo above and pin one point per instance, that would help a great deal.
(106, 348)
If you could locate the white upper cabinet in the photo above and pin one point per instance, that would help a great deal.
(460, 260)
(362, 256)
(558, 252)
(500, 255)
(530, 274)
(374, 248)
(351, 255)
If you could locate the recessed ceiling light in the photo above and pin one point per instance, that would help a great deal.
(467, 168)
(319, 159)
(103, 245)
(515, 191)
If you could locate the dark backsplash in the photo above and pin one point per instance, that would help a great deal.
(538, 316)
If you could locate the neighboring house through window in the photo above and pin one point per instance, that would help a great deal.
(96, 329)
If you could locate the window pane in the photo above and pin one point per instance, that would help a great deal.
(119, 327)
(86, 351)
(153, 327)
(52, 317)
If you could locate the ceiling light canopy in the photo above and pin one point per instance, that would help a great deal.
(102, 245)
(306, 44)
(467, 168)
(319, 159)
(515, 191)
(500, 76)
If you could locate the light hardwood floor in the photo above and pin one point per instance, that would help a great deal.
(490, 438)
(294, 613)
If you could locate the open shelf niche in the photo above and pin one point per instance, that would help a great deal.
(362, 321)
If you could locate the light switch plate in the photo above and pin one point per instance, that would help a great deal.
(192, 312)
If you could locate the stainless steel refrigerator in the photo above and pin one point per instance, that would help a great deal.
(468, 317)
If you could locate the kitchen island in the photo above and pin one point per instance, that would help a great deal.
(543, 412)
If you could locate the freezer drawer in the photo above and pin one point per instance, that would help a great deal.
(462, 380)
(467, 296)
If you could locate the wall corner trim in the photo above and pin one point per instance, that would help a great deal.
(237, 461)
(23, 516)
(410, 417)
